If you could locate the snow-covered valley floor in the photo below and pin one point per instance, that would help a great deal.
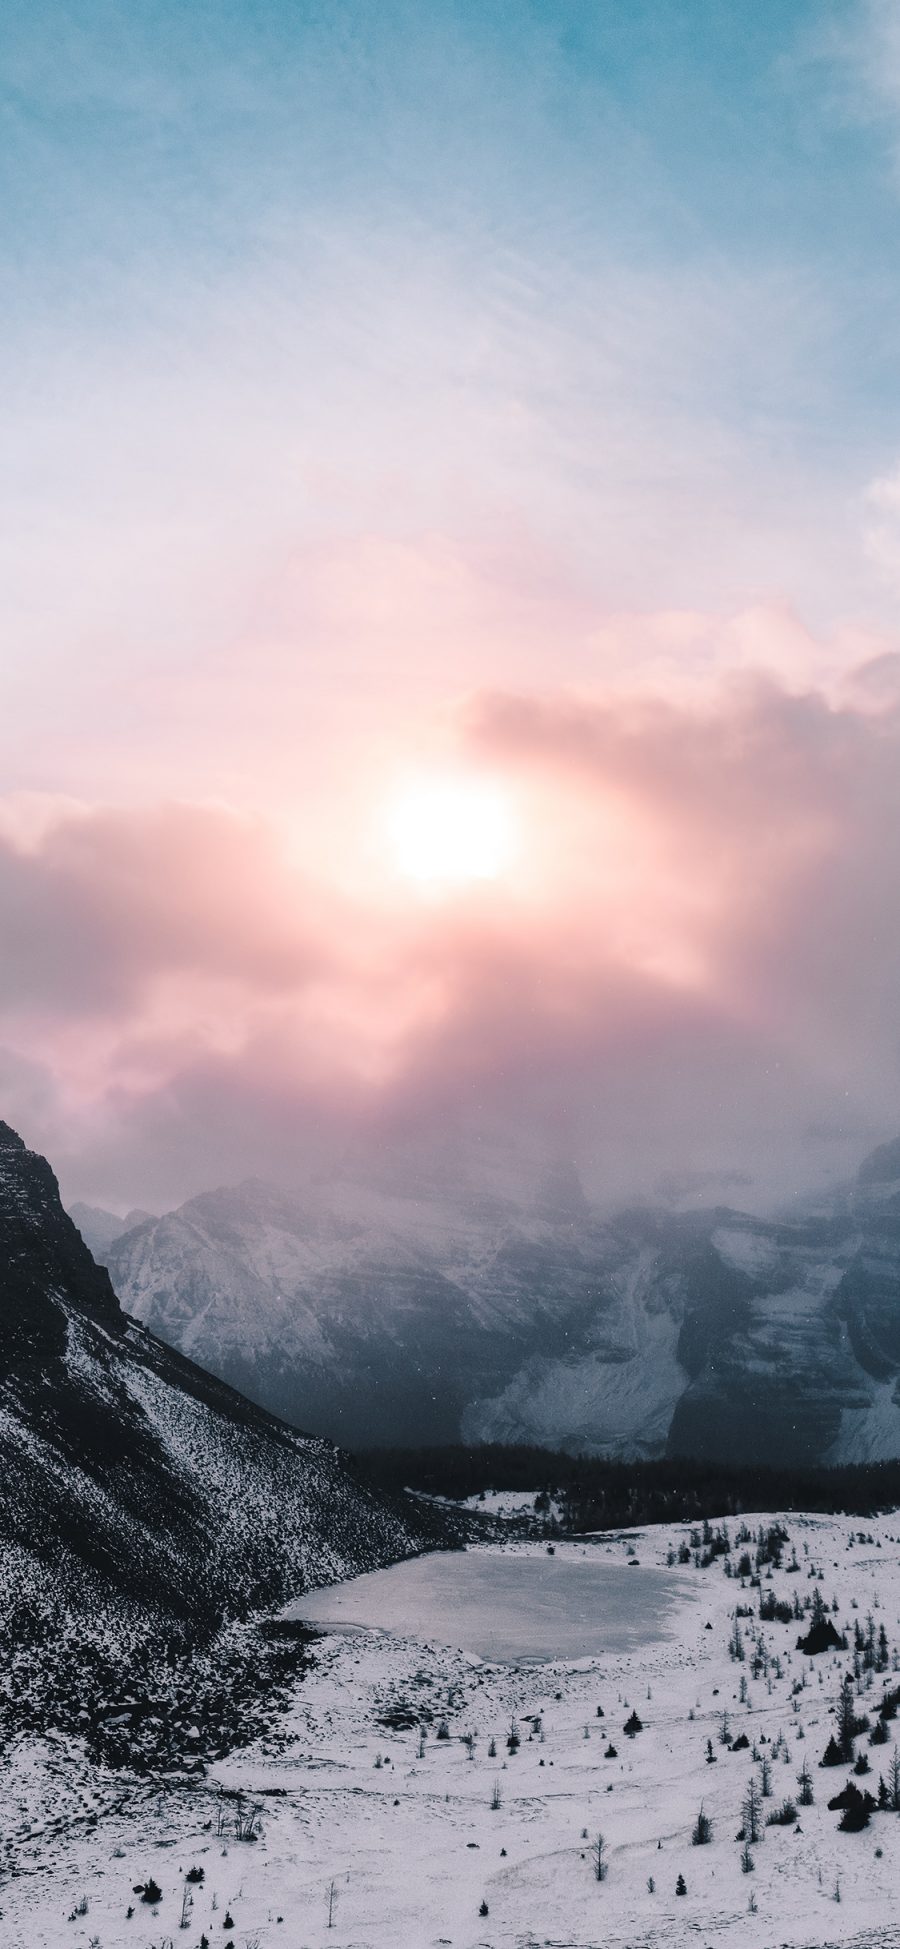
(405, 1841)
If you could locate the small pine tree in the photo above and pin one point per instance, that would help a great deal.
(600, 1862)
(681, 1886)
(857, 1809)
(783, 1816)
(751, 1812)
(846, 1718)
(702, 1830)
(804, 1782)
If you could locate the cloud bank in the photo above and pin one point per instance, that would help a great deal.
(694, 963)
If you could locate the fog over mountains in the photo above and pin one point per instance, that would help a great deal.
(448, 1303)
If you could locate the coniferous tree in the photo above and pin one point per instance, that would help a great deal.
(846, 1719)
(751, 1813)
(857, 1810)
(702, 1831)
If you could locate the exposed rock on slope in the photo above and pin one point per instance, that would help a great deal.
(131, 1476)
(380, 1316)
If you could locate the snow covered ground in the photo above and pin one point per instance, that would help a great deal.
(413, 1844)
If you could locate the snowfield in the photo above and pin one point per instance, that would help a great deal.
(372, 1832)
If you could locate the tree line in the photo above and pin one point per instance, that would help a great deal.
(591, 1492)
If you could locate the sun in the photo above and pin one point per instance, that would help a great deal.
(451, 831)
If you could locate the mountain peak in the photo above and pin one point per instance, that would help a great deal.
(882, 1166)
(47, 1266)
(136, 1485)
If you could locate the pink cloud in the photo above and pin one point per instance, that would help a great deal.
(698, 959)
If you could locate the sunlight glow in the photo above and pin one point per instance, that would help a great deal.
(451, 830)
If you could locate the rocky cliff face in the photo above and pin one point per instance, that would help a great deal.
(43, 1260)
(441, 1315)
(130, 1477)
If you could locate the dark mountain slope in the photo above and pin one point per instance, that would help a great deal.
(133, 1479)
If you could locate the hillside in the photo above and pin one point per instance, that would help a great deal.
(140, 1493)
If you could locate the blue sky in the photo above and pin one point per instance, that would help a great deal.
(376, 373)
(664, 235)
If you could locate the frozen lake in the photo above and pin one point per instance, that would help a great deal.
(507, 1606)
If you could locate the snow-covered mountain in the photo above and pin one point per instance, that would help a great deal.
(457, 1307)
(358, 1312)
(132, 1481)
(99, 1228)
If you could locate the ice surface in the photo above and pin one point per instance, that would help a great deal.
(507, 1606)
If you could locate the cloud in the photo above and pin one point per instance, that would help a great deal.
(762, 794)
(695, 963)
(107, 902)
(882, 526)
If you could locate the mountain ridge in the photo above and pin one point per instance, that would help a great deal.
(141, 1481)
(445, 1316)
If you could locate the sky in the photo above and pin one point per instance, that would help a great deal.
(450, 492)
